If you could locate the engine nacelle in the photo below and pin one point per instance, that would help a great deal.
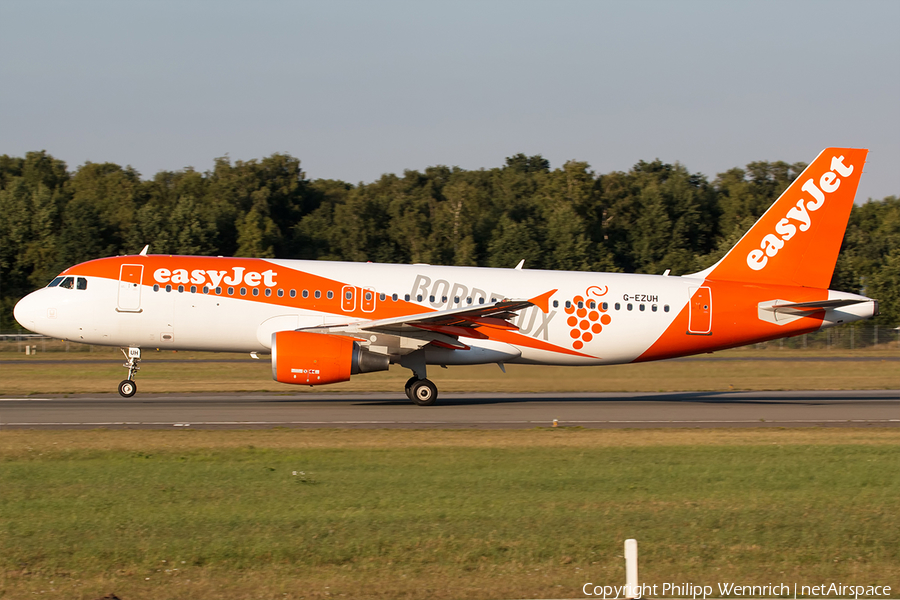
(307, 358)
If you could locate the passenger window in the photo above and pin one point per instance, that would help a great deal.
(629, 306)
(330, 294)
(305, 293)
(605, 305)
(181, 288)
(81, 283)
(318, 294)
(55, 282)
(406, 297)
(205, 289)
(68, 283)
(556, 304)
(642, 308)
(419, 298)
(618, 306)
(481, 301)
(169, 288)
(394, 297)
(231, 291)
(243, 291)
(155, 287)
(256, 291)
(568, 304)
(581, 305)
(592, 305)
(653, 308)
(431, 298)
(269, 292)
(468, 301)
(456, 299)
(218, 290)
(666, 308)
(193, 289)
(280, 293)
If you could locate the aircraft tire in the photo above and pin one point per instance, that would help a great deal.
(408, 388)
(127, 388)
(423, 392)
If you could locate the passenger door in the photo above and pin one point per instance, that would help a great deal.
(130, 288)
(700, 319)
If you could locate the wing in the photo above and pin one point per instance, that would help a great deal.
(442, 328)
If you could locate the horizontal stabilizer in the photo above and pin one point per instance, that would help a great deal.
(782, 312)
(819, 305)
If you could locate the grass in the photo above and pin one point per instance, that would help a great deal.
(440, 514)
(181, 372)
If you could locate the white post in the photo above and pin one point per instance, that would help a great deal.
(631, 569)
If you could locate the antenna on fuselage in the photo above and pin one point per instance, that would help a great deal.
(144, 251)
(520, 265)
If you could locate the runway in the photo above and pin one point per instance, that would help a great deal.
(872, 408)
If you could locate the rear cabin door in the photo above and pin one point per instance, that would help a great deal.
(700, 320)
(130, 288)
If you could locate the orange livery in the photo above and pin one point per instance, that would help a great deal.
(323, 322)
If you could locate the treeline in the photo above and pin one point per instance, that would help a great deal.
(654, 217)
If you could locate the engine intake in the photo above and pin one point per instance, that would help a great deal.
(305, 358)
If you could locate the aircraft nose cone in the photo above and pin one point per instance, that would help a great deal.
(26, 311)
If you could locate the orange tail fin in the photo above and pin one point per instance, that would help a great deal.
(796, 242)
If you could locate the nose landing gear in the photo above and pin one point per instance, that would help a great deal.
(127, 387)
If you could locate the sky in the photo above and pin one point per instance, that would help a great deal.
(355, 89)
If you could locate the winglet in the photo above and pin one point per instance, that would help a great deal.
(543, 301)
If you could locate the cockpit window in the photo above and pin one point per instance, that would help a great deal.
(81, 284)
(55, 282)
(68, 283)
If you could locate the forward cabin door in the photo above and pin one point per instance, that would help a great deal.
(700, 309)
(130, 277)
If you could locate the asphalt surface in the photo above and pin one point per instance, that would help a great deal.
(875, 408)
(705, 358)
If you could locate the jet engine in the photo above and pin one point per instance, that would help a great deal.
(307, 358)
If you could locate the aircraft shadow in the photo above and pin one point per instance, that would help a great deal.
(738, 398)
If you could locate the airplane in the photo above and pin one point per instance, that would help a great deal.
(323, 322)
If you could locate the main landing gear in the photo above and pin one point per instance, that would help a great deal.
(421, 391)
(127, 387)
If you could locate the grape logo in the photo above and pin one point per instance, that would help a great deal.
(587, 316)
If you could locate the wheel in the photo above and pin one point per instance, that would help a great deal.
(423, 392)
(127, 388)
(409, 385)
